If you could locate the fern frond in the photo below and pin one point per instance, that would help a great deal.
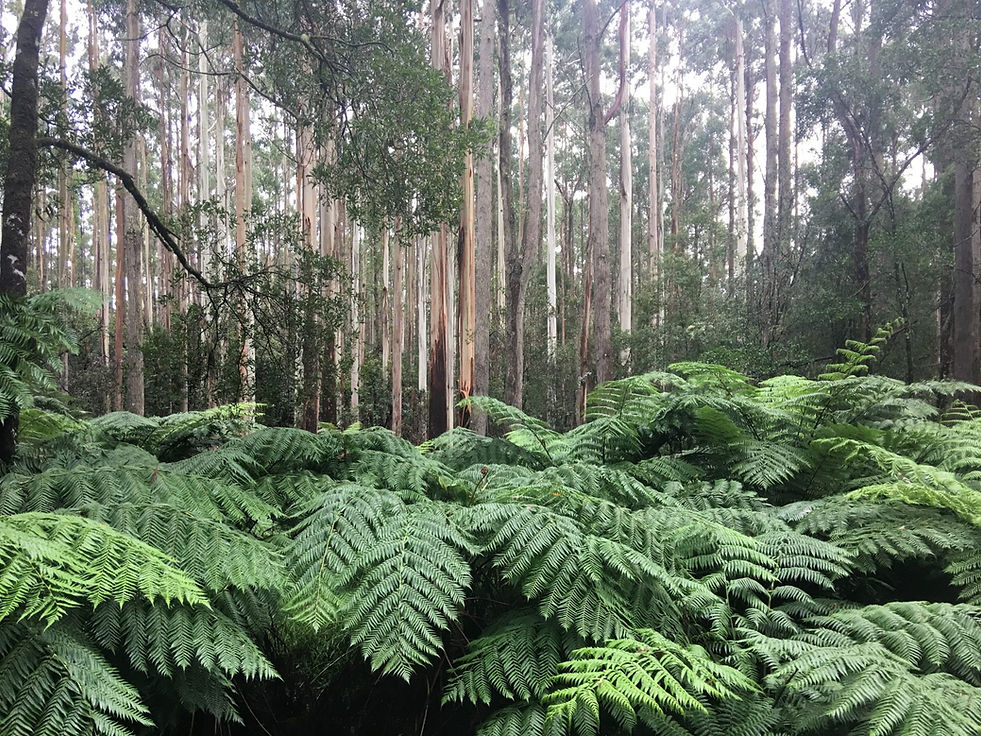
(965, 571)
(286, 450)
(169, 640)
(882, 534)
(865, 686)
(50, 564)
(124, 426)
(908, 481)
(54, 682)
(527, 719)
(591, 585)
(646, 672)
(524, 431)
(858, 356)
(213, 553)
(514, 658)
(460, 448)
(765, 464)
(393, 575)
(930, 637)
(405, 588)
(338, 527)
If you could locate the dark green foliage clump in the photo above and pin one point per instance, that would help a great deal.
(706, 555)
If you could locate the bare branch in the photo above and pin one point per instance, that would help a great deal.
(163, 233)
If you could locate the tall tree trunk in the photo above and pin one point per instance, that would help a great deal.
(310, 350)
(965, 150)
(770, 220)
(519, 264)
(599, 233)
(550, 244)
(357, 318)
(741, 153)
(483, 232)
(654, 205)
(506, 219)
(466, 246)
(420, 300)
(624, 282)
(243, 199)
(133, 229)
(785, 194)
(398, 331)
(20, 176)
(66, 228)
(386, 298)
(166, 165)
(100, 217)
(440, 369)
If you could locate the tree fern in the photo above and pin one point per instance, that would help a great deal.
(514, 658)
(648, 672)
(529, 719)
(51, 563)
(393, 575)
(865, 686)
(53, 682)
(930, 637)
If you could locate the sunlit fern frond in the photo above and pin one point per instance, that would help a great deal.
(644, 672)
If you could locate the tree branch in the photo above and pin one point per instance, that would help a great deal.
(624, 15)
(163, 233)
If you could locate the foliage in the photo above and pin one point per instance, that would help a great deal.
(707, 555)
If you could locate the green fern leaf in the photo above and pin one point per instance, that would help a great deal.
(648, 672)
(513, 658)
(50, 564)
(53, 682)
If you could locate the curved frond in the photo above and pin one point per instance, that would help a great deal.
(50, 564)
(513, 658)
(647, 672)
(53, 682)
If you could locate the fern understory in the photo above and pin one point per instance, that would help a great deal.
(707, 555)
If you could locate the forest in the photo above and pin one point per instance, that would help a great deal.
(491, 367)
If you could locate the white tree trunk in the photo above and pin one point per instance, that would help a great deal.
(422, 338)
(625, 284)
(553, 333)
(243, 199)
(742, 204)
(357, 349)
